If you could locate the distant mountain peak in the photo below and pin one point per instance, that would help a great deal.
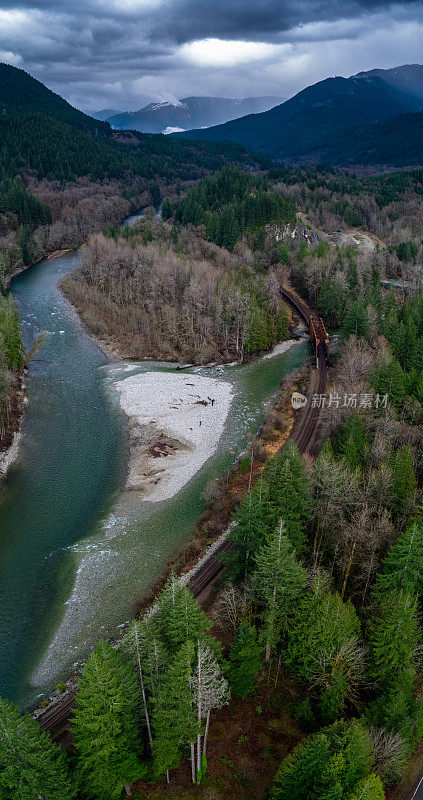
(201, 112)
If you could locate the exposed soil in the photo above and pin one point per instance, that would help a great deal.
(17, 410)
(356, 237)
(247, 741)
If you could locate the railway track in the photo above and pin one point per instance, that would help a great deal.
(56, 720)
(302, 436)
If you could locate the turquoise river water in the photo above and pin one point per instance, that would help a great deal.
(76, 549)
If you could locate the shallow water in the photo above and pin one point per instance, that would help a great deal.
(75, 550)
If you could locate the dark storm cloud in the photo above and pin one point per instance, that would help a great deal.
(123, 53)
(269, 19)
(182, 21)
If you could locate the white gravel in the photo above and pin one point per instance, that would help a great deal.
(10, 455)
(281, 348)
(174, 425)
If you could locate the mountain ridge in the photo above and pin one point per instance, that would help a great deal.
(312, 118)
(42, 133)
(193, 111)
(21, 93)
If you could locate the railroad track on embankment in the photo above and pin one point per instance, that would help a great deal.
(56, 720)
(303, 435)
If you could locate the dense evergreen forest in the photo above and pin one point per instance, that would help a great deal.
(58, 150)
(230, 204)
(23, 94)
(12, 359)
(394, 141)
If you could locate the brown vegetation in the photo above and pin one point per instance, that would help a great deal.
(170, 295)
(257, 733)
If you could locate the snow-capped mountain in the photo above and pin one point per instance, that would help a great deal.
(191, 112)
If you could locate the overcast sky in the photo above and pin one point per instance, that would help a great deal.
(124, 53)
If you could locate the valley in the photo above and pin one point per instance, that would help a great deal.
(211, 530)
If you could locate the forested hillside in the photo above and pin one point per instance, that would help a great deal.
(397, 142)
(387, 206)
(44, 139)
(229, 205)
(65, 176)
(167, 293)
(56, 150)
(194, 291)
(305, 126)
(23, 94)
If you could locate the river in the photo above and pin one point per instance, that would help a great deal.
(75, 548)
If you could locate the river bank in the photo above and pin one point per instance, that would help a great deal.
(9, 443)
(86, 550)
(213, 524)
(174, 421)
(10, 439)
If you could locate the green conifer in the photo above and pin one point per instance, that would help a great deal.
(403, 566)
(404, 483)
(175, 725)
(179, 618)
(105, 728)
(330, 765)
(244, 660)
(31, 766)
(352, 442)
(251, 525)
(393, 635)
(278, 582)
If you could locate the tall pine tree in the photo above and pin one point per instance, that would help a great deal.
(31, 766)
(403, 565)
(393, 635)
(244, 658)
(288, 493)
(142, 644)
(278, 582)
(179, 617)
(175, 725)
(251, 525)
(105, 728)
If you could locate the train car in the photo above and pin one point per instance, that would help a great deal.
(319, 336)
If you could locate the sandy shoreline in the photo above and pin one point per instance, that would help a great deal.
(14, 435)
(281, 347)
(175, 423)
(10, 455)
